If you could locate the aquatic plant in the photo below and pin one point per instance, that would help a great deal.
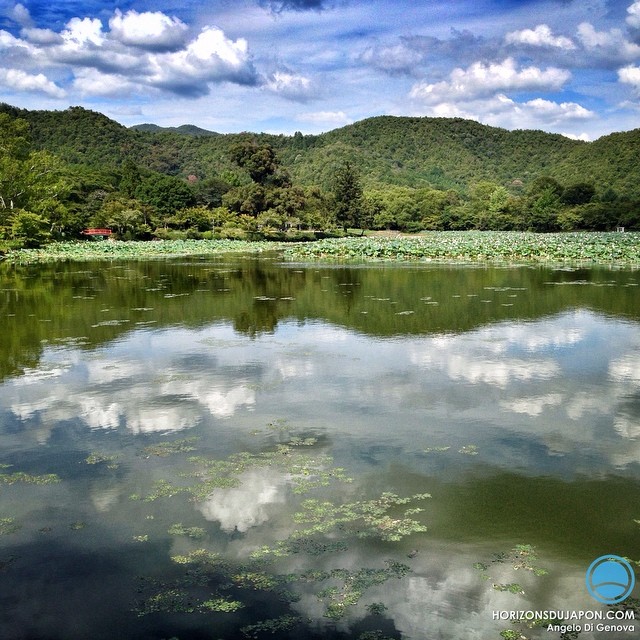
(26, 478)
(477, 246)
(352, 585)
(304, 472)
(170, 447)
(273, 625)
(96, 457)
(8, 525)
(191, 532)
(132, 250)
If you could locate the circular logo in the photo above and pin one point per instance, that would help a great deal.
(610, 579)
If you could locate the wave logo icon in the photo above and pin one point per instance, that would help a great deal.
(610, 579)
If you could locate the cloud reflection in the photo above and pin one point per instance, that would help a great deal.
(240, 508)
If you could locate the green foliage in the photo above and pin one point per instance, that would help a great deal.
(496, 247)
(347, 197)
(178, 529)
(29, 229)
(27, 478)
(170, 447)
(8, 526)
(273, 625)
(405, 174)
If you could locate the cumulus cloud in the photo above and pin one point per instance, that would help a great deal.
(633, 18)
(325, 117)
(291, 85)
(481, 80)
(19, 80)
(211, 57)
(611, 45)
(630, 75)
(541, 36)
(149, 30)
(278, 6)
(146, 51)
(21, 15)
(397, 59)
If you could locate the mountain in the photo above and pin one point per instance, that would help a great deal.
(185, 129)
(442, 153)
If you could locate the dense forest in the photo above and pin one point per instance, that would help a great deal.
(64, 171)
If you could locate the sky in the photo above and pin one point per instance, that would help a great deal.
(280, 66)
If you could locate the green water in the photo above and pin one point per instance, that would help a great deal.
(189, 405)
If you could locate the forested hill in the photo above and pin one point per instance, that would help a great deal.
(417, 152)
(62, 172)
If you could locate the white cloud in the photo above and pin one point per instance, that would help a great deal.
(211, 57)
(90, 82)
(481, 79)
(502, 111)
(80, 33)
(290, 85)
(139, 51)
(397, 59)
(633, 18)
(610, 43)
(541, 36)
(21, 15)
(151, 29)
(19, 80)
(332, 118)
(630, 75)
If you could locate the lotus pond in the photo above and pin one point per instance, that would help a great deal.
(238, 446)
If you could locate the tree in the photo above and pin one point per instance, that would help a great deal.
(261, 162)
(347, 197)
(166, 194)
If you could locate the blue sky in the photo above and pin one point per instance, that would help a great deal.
(565, 66)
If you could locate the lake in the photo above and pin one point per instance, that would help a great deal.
(239, 447)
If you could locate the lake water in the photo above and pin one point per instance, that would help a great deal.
(224, 434)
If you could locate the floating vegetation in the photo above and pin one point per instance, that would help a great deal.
(522, 556)
(141, 538)
(26, 478)
(197, 533)
(211, 583)
(469, 450)
(97, 458)
(304, 472)
(78, 525)
(121, 250)
(167, 448)
(367, 518)
(477, 246)
(353, 584)
(273, 625)
(436, 449)
(8, 525)
(376, 608)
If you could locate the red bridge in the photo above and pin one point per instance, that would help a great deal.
(97, 232)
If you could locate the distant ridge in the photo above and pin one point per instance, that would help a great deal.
(413, 152)
(184, 129)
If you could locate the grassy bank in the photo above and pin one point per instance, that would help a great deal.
(478, 246)
(445, 246)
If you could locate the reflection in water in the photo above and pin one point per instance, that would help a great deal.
(515, 403)
(245, 506)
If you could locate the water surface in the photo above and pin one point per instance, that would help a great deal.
(510, 395)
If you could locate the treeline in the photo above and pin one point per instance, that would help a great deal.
(63, 172)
